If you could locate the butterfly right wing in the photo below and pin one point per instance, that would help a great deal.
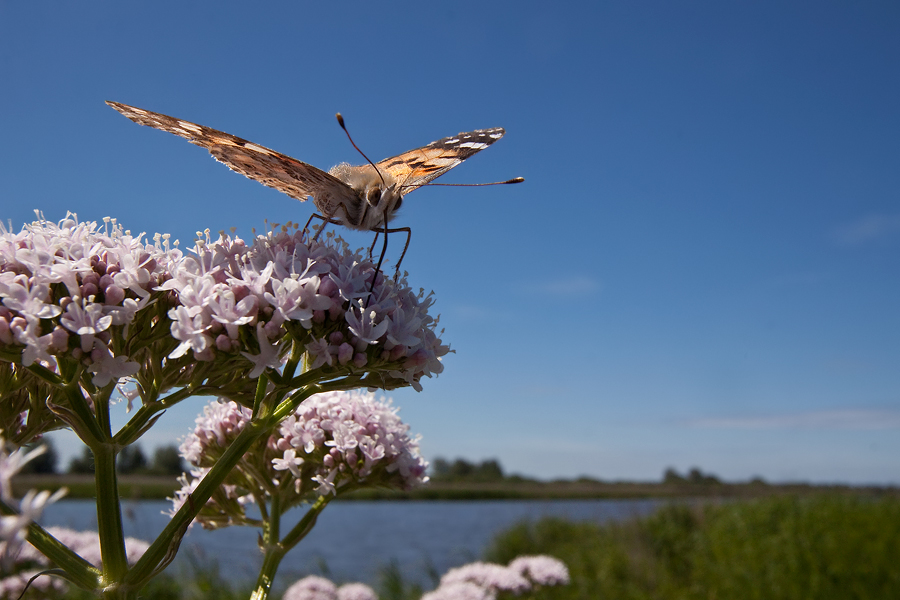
(417, 167)
(288, 175)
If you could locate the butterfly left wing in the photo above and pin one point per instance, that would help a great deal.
(273, 169)
(417, 167)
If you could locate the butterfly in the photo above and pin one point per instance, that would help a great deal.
(359, 197)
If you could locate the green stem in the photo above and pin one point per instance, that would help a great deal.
(109, 520)
(301, 529)
(272, 553)
(81, 572)
(261, 385)
(135, 426)
(87, 427)
(45, 374)
(167, 541)
(275, 552)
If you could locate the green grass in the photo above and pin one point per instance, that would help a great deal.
(813, 547)
(808, 547)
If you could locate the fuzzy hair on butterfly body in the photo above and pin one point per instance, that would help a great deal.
(379, 195)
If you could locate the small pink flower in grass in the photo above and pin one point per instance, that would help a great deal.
(462, 590)
(541, 569)
(521, 576)
(488, 575)
(312, 587)
(356, 591)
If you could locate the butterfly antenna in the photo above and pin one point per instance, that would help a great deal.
(508, 181)
(344, 127)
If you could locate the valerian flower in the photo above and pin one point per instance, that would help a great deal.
(314, 587)
(29, 562)
(30, 507)
(99, 304)
(65, 286)
(333, 442)
(474, 581)
(284, 288)
(520, 576)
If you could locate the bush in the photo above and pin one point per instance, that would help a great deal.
(819, 547)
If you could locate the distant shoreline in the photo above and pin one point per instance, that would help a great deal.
(155, 487)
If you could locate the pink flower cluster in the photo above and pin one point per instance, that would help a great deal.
(70, 291)
(65, 287)
(333, 441)
(475, 581)
(30, 507)
(29, 562)
(314, 587)
(318, 291)
(483, 581)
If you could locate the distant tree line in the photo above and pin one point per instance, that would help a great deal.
(693, 476)
(463, 470)
(131, 460)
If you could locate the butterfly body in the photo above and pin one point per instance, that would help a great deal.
(359, 197)
(379, 198)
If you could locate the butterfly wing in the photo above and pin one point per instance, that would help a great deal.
(417, 167)
(288, 175)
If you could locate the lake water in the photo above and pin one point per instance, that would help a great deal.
(353, 540)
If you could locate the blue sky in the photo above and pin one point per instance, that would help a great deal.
(701, 268)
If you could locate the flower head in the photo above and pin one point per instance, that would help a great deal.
(333, 442)
(311, 292)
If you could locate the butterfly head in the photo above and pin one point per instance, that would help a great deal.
(380, 195)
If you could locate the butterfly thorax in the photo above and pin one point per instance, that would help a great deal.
(379, 196)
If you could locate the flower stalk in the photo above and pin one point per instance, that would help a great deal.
(265, 326)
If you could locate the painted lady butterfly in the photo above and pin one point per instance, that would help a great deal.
(363, 197)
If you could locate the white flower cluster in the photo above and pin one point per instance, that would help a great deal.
(65, 286)
(333, 441)
(483, 581)
(314, 587)
(475, 581)
(73, 291)
(316, 290)
(28, 562)
(13, 527)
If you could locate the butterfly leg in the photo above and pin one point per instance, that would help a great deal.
(380, 260)
(405, 246)
(374, 241)
(325, 221)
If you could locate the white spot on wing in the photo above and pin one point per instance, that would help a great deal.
(190, 126)
(256, 148)
(477, 145)
(443, 162)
